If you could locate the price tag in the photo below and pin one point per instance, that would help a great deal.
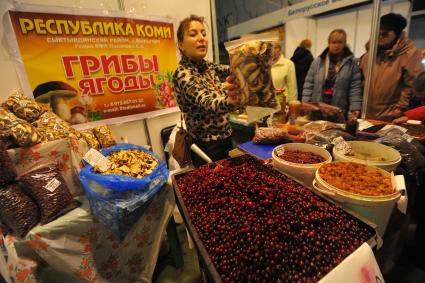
(280, 151)
(52, 185)
(388, 128)
(363, 124)
(95, 158)
(414, 122)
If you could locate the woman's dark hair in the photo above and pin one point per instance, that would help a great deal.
(184, 25)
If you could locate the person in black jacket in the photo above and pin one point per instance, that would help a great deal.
(302, 59)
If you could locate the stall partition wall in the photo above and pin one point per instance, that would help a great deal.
(355, 21)
(135, 131)
(416, 32)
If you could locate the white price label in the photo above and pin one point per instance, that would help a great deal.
(95, 158)
(52, 185)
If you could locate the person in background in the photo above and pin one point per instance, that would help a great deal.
(302, 59)
(334, 77)
(398, 61)
(206, 92)
(419, 112)
(283, 75)
(366, 47)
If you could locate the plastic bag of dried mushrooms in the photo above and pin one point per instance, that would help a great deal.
(250, 63)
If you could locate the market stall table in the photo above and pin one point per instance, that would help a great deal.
(217, 252)
(76, 247)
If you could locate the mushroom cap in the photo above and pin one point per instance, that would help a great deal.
(43, 92)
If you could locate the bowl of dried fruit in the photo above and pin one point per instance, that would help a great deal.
(299, 160)
(370, 191)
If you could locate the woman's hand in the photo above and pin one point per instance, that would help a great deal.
(354, 114)
(234, 92)
(400, 120)
(280, 90)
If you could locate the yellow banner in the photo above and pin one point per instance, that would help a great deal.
(89, 68)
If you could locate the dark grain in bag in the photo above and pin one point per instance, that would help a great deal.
(17, 210)
(48, 188)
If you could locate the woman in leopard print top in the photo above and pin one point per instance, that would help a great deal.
(205, 92)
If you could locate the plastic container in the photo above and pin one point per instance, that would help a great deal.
(376, 209)
(303, 173)
(393, 156)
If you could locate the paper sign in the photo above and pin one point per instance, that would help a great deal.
(414, 122)
(363, 124)
(256, 113)
(97, 159)
(387, 128)
(401, 186)
(52, 185)
(359, 267)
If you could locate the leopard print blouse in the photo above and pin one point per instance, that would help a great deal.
(202, 99)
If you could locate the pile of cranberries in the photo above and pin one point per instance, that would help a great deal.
(260, 226)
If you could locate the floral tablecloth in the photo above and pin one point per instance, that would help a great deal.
(77, 248)
(67, 152)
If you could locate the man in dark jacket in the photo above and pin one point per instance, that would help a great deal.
(302, 59)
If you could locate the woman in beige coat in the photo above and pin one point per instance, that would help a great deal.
(398, 62)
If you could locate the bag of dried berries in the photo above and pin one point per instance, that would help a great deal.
(8, 172)
(48, 188)
(17, 210)
(119, 195)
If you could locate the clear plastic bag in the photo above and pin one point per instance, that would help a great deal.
(316, 133)
(22, 106)
(265, 135)
(104, 136)
(318, 126)
(53, 127)
(19, 131)
(411, 151)
(48, 188)
(8, 172)
(17, 210)
(250, 62)
(90, 138)
(326, 112)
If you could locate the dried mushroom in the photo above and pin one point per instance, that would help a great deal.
(132, 162)
(54, 128)
(90, 138)
(19, 131)
(22, 106)
(251, 64)
(104, 136)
